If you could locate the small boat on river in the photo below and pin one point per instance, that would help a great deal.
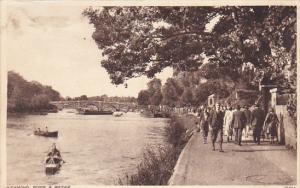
(117, 114)
(53, 165)
(161, 115)
(154, 114)
(46, 134)
(93, 112)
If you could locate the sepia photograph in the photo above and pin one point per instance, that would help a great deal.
(105, 94)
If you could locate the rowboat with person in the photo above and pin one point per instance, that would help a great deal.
(53, 161)
(45, 133)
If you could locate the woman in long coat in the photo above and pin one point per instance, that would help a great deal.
(271, 124)
(227, 123)
(204, 125)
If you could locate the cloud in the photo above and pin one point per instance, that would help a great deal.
(53, 45)
(49, 21)
(20, 19)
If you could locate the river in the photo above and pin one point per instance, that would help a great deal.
(97, 149)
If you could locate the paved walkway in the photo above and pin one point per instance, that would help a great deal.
(249, 164)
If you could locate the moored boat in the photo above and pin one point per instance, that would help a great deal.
(161, 115)
(147, 113)
(100, 112)
(55, 110)
(154, 114)
(117, 114)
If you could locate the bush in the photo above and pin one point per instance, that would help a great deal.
(175, 132)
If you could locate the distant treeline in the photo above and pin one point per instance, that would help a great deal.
(102, 98)
(25, 96)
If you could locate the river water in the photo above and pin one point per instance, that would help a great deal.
(97, 149)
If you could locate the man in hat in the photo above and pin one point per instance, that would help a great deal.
(216, 124)
(257, 121)
(248, 114)
(238, 123)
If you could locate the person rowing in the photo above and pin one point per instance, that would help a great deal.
(54, 154)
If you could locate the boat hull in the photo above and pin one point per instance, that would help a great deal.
(150, 114)
(161, 115)
(52, 169)
(88, 112)
(46, 134)
(52, 166)
(117, 114)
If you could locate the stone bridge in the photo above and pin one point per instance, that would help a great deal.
(99, 104)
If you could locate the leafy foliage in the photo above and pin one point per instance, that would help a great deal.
(171, 92)
(144, 40)
(24, 96)
(151, 96)
(143, 97)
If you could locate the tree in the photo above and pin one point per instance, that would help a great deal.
(39, 102)
(104, 97)
(51, 93)
(211, 87)
(153, 95)
(144, 40)
(83, 98)
(24, 96)
(171, 92)
(154, 85)
(143, 97)
(187, 98)
(156, 98)
(154, 89)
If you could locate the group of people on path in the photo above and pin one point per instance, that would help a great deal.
(237, 122)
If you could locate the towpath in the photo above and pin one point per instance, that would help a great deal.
(249, 164)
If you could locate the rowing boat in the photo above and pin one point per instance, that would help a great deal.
(53, 165)
(46, 134)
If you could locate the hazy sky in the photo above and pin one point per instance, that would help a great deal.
(52, 44)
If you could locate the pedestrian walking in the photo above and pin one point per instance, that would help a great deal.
(257, 122)
(216, 124)
(271, 124)
(238, 123)
(204, 126)
(247, 113)
(227, 123)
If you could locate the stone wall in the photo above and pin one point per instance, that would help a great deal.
(287, 131)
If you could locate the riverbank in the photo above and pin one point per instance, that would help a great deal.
(41, 112)
(249, 164)
(158, 164)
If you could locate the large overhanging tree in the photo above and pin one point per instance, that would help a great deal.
(139, 41)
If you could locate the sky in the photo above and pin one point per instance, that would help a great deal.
(52, 44)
